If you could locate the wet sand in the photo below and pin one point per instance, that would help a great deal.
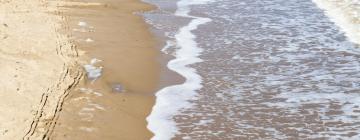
(111, 32)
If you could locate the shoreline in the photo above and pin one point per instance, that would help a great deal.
(171, 99)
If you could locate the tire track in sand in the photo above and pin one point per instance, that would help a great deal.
(47, 115)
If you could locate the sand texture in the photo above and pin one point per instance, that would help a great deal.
(38, 67)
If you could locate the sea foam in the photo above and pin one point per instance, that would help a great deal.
(93, 72)
(345, 14)
(170, 100)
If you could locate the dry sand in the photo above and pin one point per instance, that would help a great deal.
(44, 94)
(38, 66)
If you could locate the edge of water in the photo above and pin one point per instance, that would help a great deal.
(170, 100)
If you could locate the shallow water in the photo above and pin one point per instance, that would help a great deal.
(271, 69)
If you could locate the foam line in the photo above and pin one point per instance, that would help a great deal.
(170, 100)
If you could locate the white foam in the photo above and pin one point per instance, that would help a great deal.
(345, 14)
(236, 57)
(82, 24)
(90, 91)
(87, 109)
(89, 40)
(82, 98)
(170, 100)
(93, 72)
(87, 129)
(168, 45)
(97, 106)
(97, 93)
(84, 27)
(94, 61)
(86, 116)
(80, 30)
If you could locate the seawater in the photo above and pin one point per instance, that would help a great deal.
(269, 69)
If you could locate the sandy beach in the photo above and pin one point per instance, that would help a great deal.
(39, 68)
(46, 92)
(179, 69)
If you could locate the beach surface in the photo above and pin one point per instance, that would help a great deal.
(76, 70)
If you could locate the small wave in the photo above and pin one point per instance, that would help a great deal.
(170, 100)
(345, 14)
